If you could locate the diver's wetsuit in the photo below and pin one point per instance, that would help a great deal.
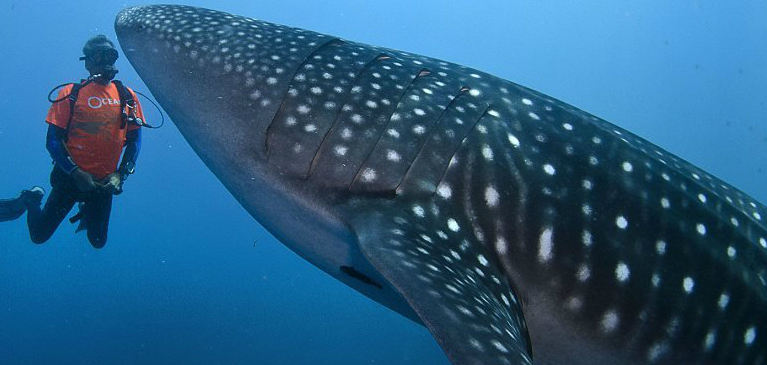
(90, 125)
(64, 194)
(97, 141)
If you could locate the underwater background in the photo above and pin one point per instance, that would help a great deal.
(188, 277)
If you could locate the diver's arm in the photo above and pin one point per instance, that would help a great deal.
(55, 145)
(132, 149)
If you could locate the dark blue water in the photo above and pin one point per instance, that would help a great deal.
(187, 277)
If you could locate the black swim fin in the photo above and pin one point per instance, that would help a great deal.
(79, 217)
(11, 209)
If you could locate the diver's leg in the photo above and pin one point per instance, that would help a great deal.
(43, 222)
(97, 211)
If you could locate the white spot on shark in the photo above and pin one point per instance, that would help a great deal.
(513, 140)
(500, 346)
(610, 321)
(586, 209)
(710, 341)
(487, 152)
(340, 150)
(501, 245)
(574, 303)
(545, 245)
(665, 203)
(491, 196)
(622, 272)
(584, 273)
(393, 156)
(701, 229)
(453, 225)
(621, 222)
(724, 300)
(688, 284)
(655, 351)
(444, 191)
(749, 336)
(369, 175)
(303, 109)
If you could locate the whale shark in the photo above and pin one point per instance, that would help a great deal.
(516, 228)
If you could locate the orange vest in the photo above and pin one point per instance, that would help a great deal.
(95, 136)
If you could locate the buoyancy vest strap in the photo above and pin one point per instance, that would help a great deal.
(126, 100)
(73, 100)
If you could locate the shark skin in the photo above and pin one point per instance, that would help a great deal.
(518, 229)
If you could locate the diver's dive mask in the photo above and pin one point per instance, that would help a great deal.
(101, 60)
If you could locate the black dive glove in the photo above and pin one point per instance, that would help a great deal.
(113, 184)
(83, 180)
(116, 182)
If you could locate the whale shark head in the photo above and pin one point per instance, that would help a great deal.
(512, 225)
(223, 78)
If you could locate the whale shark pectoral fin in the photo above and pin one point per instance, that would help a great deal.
(454, 286)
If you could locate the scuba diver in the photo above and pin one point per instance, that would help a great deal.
(89, 125)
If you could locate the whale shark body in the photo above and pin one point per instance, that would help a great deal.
(515, 227)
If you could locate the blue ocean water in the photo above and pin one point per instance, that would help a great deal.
(188, 277)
